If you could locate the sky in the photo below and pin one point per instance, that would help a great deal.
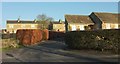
(56, 10)
(60, 0)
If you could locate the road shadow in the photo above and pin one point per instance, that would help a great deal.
(53, 44)
(51, 47)
(58, 48)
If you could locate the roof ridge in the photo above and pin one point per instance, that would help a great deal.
(78, 18)
(75, 15)
(20, 20)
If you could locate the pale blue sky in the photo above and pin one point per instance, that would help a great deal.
(60, 0)
(57, 10)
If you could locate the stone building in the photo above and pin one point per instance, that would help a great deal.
(77, 22)
(13, 25)
(104, 20)
(57, 26)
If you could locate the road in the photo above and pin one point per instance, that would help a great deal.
(54, 51)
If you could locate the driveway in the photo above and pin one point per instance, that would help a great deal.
(55, 51)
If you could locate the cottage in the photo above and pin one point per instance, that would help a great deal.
(104, 20)
(77, 22)
(57, 26)
(13, 25)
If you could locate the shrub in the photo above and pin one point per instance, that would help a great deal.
(29, 36)
(100, 39)
(56, 34)
(45, 34)
(9, 43)
(19, 33)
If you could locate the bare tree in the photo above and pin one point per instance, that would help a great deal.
(44, 21)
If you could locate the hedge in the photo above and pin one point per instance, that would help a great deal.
(31, 36)
(99, 39)
(56, 34)
(45, 34)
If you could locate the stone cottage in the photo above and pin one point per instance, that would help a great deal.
(14, 25)
(78, 22)
(57, 26)
(104, 20)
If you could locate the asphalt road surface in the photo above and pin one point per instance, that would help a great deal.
(54, 51)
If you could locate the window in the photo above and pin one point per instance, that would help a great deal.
(82, 27)
(23, 26)
(119, 26)
(116, 26)
(11, 26)
(15, 31)
(32, 26)
(73, 27)
(107, 26)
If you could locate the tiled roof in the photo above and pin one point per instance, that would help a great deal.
(21, 21)
(57, 22)
(78, 19)
(118, 17)
(107, 17)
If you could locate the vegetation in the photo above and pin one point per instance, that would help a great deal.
(44, 21)
(100, 40)
(9, 41)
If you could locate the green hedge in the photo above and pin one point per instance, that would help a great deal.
(99, 39)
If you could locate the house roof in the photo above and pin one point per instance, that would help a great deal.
(57, 22)
(107, 17)
(21, 21)
(78, 19)
(118, 17)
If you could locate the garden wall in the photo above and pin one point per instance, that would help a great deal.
(8, 35)
(100, 39)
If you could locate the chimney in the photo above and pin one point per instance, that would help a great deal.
(19, 19)
(35, 20)
(60, 21)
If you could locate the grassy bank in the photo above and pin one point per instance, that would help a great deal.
(10, 43)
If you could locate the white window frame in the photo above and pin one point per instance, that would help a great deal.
(116, 26)
(11, 26)
(107, 26)
(23, 26)
(32, 26)
(82, 27)
(73, 27)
